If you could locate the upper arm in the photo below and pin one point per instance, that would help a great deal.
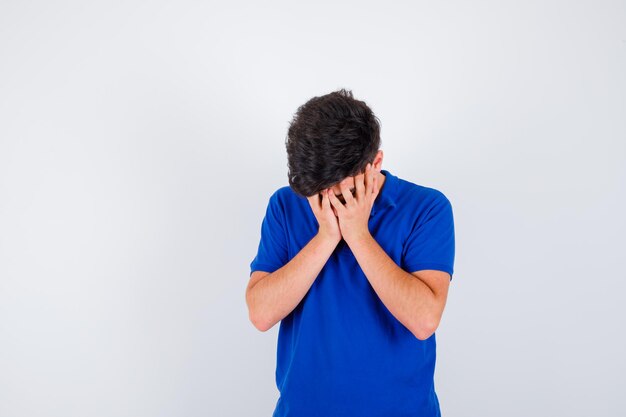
(255, 277)
(430, 244)
(439, 283)
(272, 251)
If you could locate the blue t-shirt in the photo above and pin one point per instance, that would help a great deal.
(340, 352)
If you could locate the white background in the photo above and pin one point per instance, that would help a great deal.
(140, 141)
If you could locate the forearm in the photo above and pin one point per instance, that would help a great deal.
(406, 297)
(277, 294)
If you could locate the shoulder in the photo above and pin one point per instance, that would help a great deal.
(285, 196)
(284, 199)
(421, 195)
(418, 203)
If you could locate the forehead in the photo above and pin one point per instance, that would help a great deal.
(349, 182)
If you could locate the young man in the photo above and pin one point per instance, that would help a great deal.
(355, 263)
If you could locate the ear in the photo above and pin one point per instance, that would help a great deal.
(378, 160)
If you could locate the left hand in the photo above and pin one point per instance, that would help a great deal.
(354, 215)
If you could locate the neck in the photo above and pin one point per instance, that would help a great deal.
(381, 180)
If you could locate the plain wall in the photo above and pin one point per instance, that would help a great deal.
(140, 141)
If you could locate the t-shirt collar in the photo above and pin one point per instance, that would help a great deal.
(387, 195)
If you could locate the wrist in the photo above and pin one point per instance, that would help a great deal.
(328, 238)
(357, 237)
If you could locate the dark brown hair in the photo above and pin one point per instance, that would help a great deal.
(330, 138)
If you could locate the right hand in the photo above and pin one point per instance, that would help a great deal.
(325, 215)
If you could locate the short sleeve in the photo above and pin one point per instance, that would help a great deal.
(272, 250)
(430, 244)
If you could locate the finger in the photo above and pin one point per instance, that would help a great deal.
(373, 179)
(375, 185)
(314, 201)
(347, 195)
(337, 206)
(325, 199)
(360, 184)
